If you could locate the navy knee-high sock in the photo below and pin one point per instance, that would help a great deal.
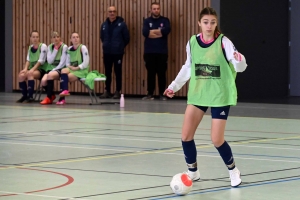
(60, 86)
(190, 153)
(226, 154)
(30, 88)
(23, 88)
(50, 86)
(64, 81)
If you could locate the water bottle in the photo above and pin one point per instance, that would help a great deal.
(122, 101)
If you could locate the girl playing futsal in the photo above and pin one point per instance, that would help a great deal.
(211, 65)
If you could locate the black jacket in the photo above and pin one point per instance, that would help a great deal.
(114, 36)
(157, 45)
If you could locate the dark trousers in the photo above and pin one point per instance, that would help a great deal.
(109, 61)
(156, 64)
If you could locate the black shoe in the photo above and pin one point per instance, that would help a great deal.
(29, 100)
(105, 95)
(148, 97)
(23, 98)
(117, 95)
(162, 98)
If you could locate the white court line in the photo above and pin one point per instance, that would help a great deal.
(132, 139)
(83, 136)
(243, 158)
(286, 108)
(200, 155)
(161, 141)
(37, 195)
(265, 147)
(72, 147)
(145, 140)
(118, 138)
(13, 132)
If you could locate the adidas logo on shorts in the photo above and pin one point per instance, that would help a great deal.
(222, 113)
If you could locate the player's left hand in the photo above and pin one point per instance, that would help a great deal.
(73, 68)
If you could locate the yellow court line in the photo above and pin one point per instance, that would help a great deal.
(137, 153)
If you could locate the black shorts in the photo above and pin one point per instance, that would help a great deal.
(58, 71)
(43, 72)
(216, 112)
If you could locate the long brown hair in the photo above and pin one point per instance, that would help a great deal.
(210, 11)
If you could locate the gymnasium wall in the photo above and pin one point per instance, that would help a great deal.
(295, 49)
(2, 50)
(260, 30)
(85, 17)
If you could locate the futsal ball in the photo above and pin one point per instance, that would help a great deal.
(181, 184)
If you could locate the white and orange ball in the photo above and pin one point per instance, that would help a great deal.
(181, 184)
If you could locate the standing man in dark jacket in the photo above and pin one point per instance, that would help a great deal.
(155, 30)
(114, 36)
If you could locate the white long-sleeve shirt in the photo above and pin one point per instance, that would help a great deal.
(86, 58)
(52, 54)
(43, 54)
(185, 72)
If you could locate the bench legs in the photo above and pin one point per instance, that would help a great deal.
(38, 92)
(93, 96)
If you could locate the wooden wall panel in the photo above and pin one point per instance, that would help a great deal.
(85, 17)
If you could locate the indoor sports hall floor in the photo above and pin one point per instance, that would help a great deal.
(78, 151)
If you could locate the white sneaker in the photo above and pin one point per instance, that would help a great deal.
(235, 177)
(195, 176)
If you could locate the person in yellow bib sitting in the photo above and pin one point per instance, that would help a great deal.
(77, 66)
(56, 58)
(35, 67)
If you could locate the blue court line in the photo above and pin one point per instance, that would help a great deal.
(246, 154)
(97, 145)
(229, 188)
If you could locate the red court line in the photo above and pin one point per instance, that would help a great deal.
(70, 180)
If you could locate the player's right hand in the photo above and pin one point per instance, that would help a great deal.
(169, 93)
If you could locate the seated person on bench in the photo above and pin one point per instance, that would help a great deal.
(77, 65)
(35, 67)
(56, 58)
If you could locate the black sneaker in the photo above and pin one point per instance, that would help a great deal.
(117, 95)
(148, 97)
(23, 98)
(29, 100)
(105, 95)
(162, 98)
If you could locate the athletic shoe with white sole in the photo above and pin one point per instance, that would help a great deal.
(235, 177)
(195, 176)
